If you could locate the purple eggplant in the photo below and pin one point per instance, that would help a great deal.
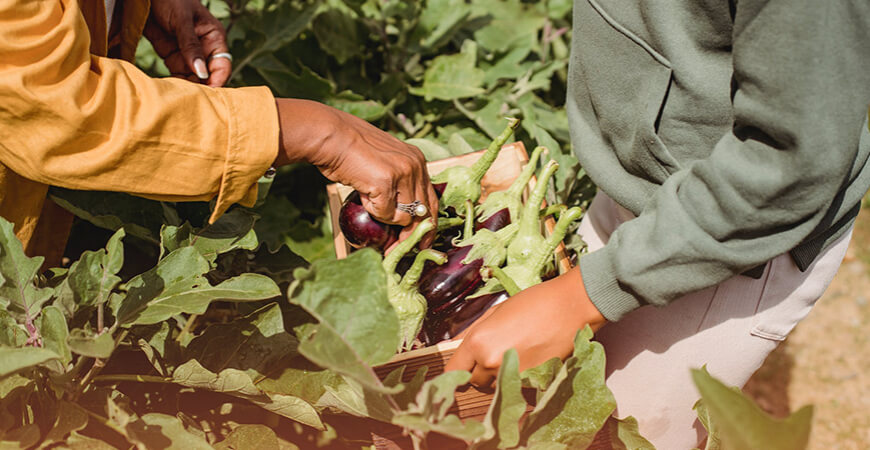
(360, 229)
(451, 280)
(450, 323)
(495, 222)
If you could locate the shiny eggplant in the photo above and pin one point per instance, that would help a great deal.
(453, 321)
(451, 280)
(360, 229)
(495, 222)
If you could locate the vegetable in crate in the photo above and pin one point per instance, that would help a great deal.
(504, 207)
(459, 183)
(450, 283)
(402, 292)
(360, 229)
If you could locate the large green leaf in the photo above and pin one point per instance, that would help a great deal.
(11, 334)
(508, 405)
(357, 105)
(92, 278)
(54, 331)
(138, 216)
(357, 327)
(15, 359)
(625, 435)
(743, 425)
(86, 343)
(259, 437)
(563, 415)
(429, 411)
(338, 34)
(281, 223)
(18, 292)
(452, 76)
(255, 344)
(237, 383)
(513, 24)
(176, 285)
(234, 230)
(156, 430)
(278, 27)
(438, 22)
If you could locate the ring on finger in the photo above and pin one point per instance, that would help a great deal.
(415, 208)
(224, 55)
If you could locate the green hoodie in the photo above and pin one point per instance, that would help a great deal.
(735, 131)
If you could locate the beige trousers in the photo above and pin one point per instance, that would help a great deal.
(731, 328)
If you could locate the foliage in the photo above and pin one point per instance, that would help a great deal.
(166, 331)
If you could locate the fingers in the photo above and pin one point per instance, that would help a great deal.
(189, 44)
(482, 374)
(213, 38)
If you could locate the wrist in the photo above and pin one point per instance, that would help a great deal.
(304, 128)
(586, 311)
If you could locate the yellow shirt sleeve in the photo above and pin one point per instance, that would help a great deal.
(75, 120)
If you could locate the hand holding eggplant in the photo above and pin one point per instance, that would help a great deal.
(351, 151)
(539, 322)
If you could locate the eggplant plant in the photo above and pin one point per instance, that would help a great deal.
(459, 183)
(528, 238)
(402, 292)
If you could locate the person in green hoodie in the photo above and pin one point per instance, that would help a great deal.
(730, 142)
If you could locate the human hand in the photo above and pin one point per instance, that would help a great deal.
(351, 151)
(539, 322)
(186, 35)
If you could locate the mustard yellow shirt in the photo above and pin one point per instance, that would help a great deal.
(72, 117)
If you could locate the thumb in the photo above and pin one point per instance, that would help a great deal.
(191, 48)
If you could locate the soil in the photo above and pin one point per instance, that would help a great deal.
(825, 361)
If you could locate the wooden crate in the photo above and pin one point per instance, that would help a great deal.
(471, 403)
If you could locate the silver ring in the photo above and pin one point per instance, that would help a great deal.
(415, 208)
(223, 55)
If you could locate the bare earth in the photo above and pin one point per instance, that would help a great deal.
(826, 360)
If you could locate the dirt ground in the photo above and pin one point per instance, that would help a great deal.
(826, 360)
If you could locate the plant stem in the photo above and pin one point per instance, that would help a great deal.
(479, 168)
(132, 377)
(392, 260)
(508, 283)
(187, 327)
(413, 274)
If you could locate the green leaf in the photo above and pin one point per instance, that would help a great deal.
(176, 285)
(337, 34)
(429, 411)
(70, 417)
(714, 441)
(452, 76)
(15, 359)
(562, 416)
(11, 334)
(508, 405)
(255, 344)
(353, 398)
(155, 430)
(431, 150)
(357, 105)
(281, 224)
(244, 437)
(237, 383)
(438, 22)
(87, 344)
(92, 278)
(541, 376)
(625, 435)
(357, 327)
(18, 292)
(138, 216)
(743, 425)
(287, 83)
(278, 26)
(234, 230)
(509, 67)
(513, 25)
(53, 328)
(457, 145)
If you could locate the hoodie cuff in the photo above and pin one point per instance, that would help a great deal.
(607, 294)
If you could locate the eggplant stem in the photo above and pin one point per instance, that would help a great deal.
(469, 220)
(412, 276)
(553, 209)
(519, 185)
(529, 221)
(402, 248)
(559, 231)
(479, 168)
(508, 283)
(449, 222)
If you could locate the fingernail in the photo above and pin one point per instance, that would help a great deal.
(199, 67)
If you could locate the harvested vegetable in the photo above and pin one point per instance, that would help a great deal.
(360, 229)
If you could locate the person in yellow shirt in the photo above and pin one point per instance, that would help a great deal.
(75, 113)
